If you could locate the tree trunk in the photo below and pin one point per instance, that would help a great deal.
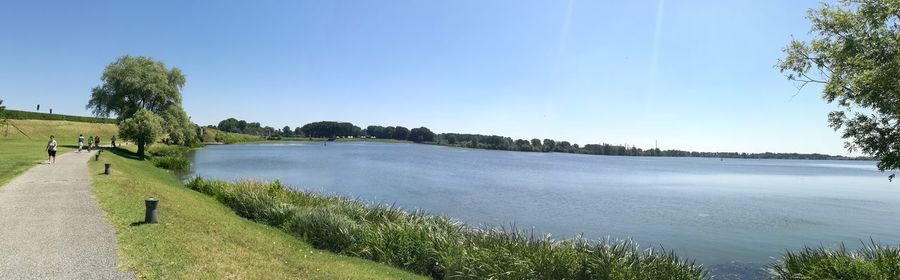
(140, 150)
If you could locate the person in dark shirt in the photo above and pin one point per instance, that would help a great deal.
(51, 150)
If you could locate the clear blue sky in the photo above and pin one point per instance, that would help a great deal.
(694, 75)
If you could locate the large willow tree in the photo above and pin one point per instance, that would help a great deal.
(855, 54)
(132, 83)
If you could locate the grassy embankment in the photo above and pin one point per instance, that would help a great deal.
(201, 238)
(19, 151)
(26, 115)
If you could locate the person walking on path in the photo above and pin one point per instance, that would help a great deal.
(90, 143)
(80, 142)
(97, 142)
(51, 150)
(112, 141)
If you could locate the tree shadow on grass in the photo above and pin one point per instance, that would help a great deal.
(83, 148)
(124, 153)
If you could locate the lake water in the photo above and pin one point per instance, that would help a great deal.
(732, 215)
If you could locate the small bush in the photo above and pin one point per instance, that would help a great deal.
(168, 151)
(171, 163)
(171, 157)
(438, 246)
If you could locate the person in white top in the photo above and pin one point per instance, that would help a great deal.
(51, 150)
(80, 142)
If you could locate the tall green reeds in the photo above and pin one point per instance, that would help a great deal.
(871, 261)
(438, 246)
(171, 157)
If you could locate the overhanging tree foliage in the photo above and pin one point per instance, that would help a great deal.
(855, 54)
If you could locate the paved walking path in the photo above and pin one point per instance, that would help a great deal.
(51, 226)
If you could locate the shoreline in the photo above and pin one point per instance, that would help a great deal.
(346, 140)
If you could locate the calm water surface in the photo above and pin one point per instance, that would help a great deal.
(732, 215)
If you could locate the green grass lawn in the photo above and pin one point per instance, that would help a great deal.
(198, 237)
(20, 151)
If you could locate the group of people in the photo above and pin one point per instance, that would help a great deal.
(93, 143)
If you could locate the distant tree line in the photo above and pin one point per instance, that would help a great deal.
(332, 129)
(494, 142)
(242, 126)
(419, 135)
(328, 129)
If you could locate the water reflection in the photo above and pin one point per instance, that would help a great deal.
(733, 215)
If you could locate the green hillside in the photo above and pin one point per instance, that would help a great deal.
(26, 115)
(24, 141)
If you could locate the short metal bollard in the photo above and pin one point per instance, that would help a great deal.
(151, 217)
(106, 170)
(96, 157)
